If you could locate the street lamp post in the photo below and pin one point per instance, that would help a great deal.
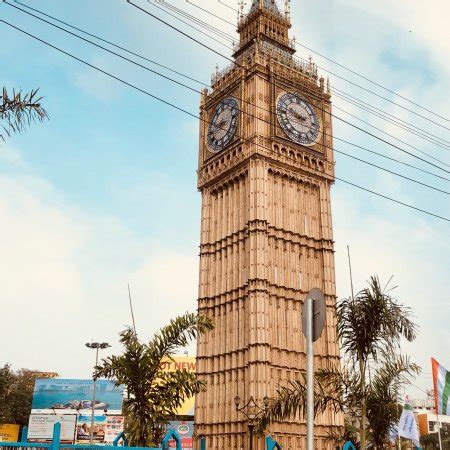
(97, 346)
(252, 411)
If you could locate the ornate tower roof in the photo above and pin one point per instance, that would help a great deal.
(271, 5)
(265, 24)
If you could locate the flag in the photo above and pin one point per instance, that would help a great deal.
(441, 382)
(407, 427)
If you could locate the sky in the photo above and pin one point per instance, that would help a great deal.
(104, 193)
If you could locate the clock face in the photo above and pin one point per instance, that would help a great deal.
(298, 119)
(223, 124)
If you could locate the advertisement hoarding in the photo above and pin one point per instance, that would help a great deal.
(182, 363)
(84, 429)
(106, 429)
(68, 396)
(9, 432)
(40, 427)
(114, 426)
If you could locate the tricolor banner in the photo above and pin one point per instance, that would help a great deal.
(441, 382)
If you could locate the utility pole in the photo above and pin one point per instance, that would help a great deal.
(97, 346)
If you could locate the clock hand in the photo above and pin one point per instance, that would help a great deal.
(297, 115)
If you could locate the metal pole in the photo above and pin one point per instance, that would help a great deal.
(439, 432)
(250, 428)
(309, 377)
(91, 431)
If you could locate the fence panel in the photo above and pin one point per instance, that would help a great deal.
(57, 445)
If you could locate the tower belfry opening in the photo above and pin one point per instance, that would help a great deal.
(265, 172)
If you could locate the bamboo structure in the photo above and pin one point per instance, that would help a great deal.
(266, 238)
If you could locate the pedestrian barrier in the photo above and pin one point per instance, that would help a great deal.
(349, 446)
(55, 444)
(271, 444)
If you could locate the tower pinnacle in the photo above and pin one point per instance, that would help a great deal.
(265, 4)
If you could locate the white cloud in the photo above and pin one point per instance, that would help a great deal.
(427, 22)
(64, 278)
(10, 155)
(415, 253)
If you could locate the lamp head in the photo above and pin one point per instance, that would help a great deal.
(237, 400)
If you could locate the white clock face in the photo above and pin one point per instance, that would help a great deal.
(298, 119)
(223, 124)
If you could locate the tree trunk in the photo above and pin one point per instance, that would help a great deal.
(362, 423)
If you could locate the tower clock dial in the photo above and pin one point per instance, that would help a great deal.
(298, 119)
(223, 124)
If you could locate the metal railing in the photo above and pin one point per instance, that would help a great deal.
(55, 443)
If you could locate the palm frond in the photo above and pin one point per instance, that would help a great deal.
(154, 395)
(19, 110)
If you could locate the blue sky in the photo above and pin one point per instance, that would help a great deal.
(104, 193)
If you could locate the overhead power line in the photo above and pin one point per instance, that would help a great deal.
(403, 124)
(353, 71)
(199, 92)
(388, 134)
(412, 128)
(274, 84)
(172, 105)
(173, 8)
(95, 36)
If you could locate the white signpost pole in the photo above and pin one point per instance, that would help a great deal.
(309, 375)
(313, 323)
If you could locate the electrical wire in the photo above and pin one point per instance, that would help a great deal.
(239, 65)
(205, 84)
(413, 128)
(172, 105)
(392, 119)
(353, 71)
(387, 134)
(420, 151)
(199, 92)
(109, 42)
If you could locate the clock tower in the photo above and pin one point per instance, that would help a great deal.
(265, 172)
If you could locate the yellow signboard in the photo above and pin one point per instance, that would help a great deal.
(9, 432)
(182, 363)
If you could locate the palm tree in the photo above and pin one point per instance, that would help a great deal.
(154, 395)
(19, 110)
(383, 408)
(370, 327)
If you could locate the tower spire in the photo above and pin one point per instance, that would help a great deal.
(264, 4)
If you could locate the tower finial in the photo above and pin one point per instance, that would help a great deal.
(287, 11)
(241, 8)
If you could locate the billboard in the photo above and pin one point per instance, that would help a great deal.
(106, 429)
(64, 396)
(114, 426)
(84, 429)
(9, 432)
(186, 431)
(182, 363)
(40, 427)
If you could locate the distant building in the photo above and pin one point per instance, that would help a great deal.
(423, 405)
(429, 423)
